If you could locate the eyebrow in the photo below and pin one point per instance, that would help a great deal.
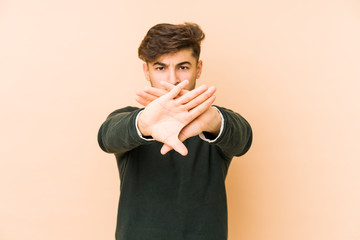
(183, 63)
(159, 63)
(179, 64)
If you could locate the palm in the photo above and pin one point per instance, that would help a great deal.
(166, 121)
(165, 117)
(194, 128)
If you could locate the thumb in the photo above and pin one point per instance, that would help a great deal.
(165, 149)
(176, 144)
(185, 133)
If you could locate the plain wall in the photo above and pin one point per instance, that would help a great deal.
(291, 68)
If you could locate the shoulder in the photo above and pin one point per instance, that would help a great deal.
(127, 109)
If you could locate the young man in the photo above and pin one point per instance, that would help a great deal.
(173, 155)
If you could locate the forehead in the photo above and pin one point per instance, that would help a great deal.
(184, 55)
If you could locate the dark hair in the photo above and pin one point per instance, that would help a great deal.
(170, 38)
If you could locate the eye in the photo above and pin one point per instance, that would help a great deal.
(184, 67)
(159, 68)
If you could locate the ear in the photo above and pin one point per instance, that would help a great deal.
(199, 69)
(146, 71)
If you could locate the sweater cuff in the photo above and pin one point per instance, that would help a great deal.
(149, 139)
(203, 137)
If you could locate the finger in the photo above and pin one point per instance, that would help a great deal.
(192, 94)
(200, 98)
(201, 108)
(177, 89)
(156, 92)
(168, 86)
(145, 95)
(142, 101)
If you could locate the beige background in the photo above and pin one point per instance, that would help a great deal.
(292, 68)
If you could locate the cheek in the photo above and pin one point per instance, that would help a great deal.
(191, 76)
(155, 79)
(156, 76)
(187, 75)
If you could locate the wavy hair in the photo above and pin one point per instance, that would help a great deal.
(167, 38)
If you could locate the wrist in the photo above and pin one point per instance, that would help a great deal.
(214, 125)
(141, 125)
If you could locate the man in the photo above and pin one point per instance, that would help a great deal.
(173, 155)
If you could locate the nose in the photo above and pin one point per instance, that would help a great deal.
(173, 77)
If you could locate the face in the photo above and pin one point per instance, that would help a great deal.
(174, 68)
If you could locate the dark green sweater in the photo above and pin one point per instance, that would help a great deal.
(172, 197)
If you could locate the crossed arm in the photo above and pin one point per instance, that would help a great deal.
(173, 115)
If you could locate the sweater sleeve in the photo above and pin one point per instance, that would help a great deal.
(118, 133)
(236, 137)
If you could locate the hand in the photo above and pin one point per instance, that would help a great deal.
(149, 94)
(164, 117)
(209, 121)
